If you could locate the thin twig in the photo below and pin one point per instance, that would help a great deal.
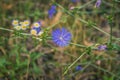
(74, 63)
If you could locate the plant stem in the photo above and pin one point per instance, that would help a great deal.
(13, 31)
(73, 63)
(111, 22)
(82, 46)
(85, 22)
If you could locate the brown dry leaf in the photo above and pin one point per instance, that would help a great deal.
(43, 23)
(88, 43)
(7, 6)
(57, 17)
(3, 50)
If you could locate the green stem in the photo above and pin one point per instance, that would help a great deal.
(85, 5)
(6, 29)
(13, 31)
(113, 74)
(111, 22)
(110, 34)
(82, 46)
(74, 63)
(85, 22)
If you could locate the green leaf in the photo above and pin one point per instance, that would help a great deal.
(64, 19)
(35, 56)
(36, 68)
(2, 62)
(108, 78)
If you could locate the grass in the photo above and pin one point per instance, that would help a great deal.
(25, 57)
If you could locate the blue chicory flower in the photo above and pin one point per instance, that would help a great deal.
(74, 1)
(79, 67)
(51, 11)
(61, 37)
(36, 29)
(98, 3)
(102, 47)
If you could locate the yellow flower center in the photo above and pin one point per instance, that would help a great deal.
(24, 27)
(33, 32)
(18, 27)
(15, 22)
(26, 22)
(36, 25)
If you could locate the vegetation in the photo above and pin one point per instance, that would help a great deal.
(59, 40)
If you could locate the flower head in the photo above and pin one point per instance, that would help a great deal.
(52, 11)
(61, 37)
(78, 67)
(75, 1)
(23, 27)
(15, 22)
(98, 3)
(36, 29)
(37, 24)
(102, 47)
(18, 27)
(33, 32)
(26, 23)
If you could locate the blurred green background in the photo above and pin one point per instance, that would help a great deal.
(26, 58)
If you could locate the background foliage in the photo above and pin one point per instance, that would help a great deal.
(24, 57)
